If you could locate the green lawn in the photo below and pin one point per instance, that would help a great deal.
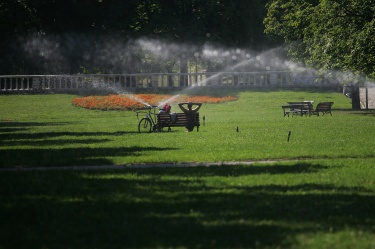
(323, 198)
(47, 130)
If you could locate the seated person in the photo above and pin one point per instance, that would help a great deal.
(190, 109)
(166, 108)
(190, 113)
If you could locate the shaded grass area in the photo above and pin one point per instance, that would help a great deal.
(313, 204)
(326, 200)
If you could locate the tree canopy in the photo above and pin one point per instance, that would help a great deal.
(116, 36)
(329, 34)
(72, 36)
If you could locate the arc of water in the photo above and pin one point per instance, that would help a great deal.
(129, 95)
(169, 100)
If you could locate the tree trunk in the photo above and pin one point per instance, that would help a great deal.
(356, 104)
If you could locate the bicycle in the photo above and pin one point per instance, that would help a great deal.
(149, 122)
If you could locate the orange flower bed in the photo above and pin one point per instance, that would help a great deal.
(138, 101)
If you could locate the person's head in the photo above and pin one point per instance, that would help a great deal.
(190, 105)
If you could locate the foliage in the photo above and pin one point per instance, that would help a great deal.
(138, 101)
(69, 36)
(328, 34)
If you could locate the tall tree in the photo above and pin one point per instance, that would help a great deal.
(329, 34)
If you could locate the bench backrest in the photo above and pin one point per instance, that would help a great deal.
(301, 105)
(324, 106)
(181, 119)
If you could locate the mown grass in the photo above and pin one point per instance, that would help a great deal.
(323, 199)
(47, 130)
(315, 204)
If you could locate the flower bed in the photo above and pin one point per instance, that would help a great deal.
(138, 101)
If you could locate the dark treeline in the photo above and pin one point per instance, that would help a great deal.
(116, 36)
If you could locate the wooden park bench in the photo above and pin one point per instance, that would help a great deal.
(180, 120)
(323, 107)
(298, 108)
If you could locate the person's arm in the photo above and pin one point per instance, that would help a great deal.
(181, 107)
(198, 106)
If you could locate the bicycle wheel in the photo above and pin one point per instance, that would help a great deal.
(144, 125)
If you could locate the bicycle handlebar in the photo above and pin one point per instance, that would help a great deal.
(145, 109)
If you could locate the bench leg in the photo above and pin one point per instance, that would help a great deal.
(285, 113)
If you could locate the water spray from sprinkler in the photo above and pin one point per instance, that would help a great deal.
(171, 99)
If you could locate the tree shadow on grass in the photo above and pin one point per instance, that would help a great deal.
(29, 124)
(46, 135)
(133, 209)
(46, 142)
(367, 113)
(8, 127)
(9, 135)
(11, 126)
(238, 170)
(41, 155)
(68, 156)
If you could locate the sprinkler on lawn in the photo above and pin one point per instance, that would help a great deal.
(289, 133)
